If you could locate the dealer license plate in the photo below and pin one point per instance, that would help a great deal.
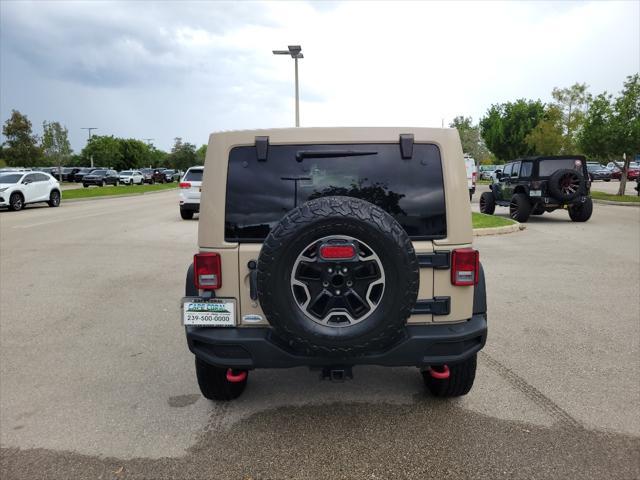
(215, 312)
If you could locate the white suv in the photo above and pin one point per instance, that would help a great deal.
(20, 188)
(190, 192)
(129, 177)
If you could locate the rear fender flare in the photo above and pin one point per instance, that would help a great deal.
(480, 294)
(190, 289)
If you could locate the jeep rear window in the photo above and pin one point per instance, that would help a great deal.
(549, 166)
(260, 193)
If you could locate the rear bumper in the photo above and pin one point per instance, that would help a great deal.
(423, 345)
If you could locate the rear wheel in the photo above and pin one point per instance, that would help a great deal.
(460, 381)
(186, 214)
(85, 185)
(16, 202)
(214, 385)
(581, 212)
(520, 208)
(487, 203)
(54, 198)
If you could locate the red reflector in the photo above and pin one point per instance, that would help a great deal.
(185, 185)
(207, 269)
(465, 265)
(335, 252)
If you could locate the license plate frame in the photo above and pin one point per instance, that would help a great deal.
(535, 193)
(208, 312)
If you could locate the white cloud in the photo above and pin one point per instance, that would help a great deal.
(166, 69)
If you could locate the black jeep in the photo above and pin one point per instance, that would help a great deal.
(534, 185)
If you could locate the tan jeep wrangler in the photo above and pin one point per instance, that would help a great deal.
(335, 247)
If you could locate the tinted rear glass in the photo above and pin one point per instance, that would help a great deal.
(548, 166)
(260, 193)
(193, 176)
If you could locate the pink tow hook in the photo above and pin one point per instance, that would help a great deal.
(440, 375)
(241, 376)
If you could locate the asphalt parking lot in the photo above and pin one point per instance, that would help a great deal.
(96, 380)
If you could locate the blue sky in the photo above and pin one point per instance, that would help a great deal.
(166, 69)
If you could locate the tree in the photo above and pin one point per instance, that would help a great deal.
(572, 103)
(626, 124)
(183, 155)
(596, 137)
(470, 138)
(612, 127)
(506, 126)
(106, 151)
(135, 154)
(55, 143)
(158, 158)
(547, 137)
(201, 153)
(21, 145)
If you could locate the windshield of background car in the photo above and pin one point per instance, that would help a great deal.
(193, 176)
(11, 178)
(126, 172)
(260, 193)
(548, 166)
(99, 172)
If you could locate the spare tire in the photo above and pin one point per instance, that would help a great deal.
(338, 276)
(566, 184)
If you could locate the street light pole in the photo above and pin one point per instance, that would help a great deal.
(297, 96)
(89, 130)
(296, 52)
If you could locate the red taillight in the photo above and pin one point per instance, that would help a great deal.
(465, 265)
(207, 268)
(337, 252)
(185, 185)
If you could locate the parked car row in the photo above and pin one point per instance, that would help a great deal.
(77, 174)
(616, 170)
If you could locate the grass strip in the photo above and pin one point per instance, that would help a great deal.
(110, 191)
(615, 198)
(481, 220)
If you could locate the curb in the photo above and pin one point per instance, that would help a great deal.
(482, 232)
(106, 197)
(612, 202)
